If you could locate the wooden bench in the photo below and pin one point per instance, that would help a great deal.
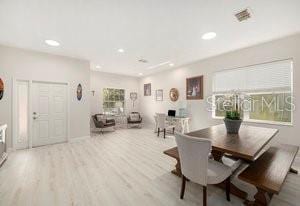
(269, 172)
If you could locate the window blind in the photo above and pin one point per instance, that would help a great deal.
(263, 77)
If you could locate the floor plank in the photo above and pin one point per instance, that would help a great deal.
(125, 167)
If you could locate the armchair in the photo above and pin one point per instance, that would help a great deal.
(134, 119)
(102, 122)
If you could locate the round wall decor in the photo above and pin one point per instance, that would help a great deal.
(174, 94)
(1, 88)
(79, 92)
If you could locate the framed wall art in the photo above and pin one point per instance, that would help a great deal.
(194, 88)
(1, 88)
(79, 92)
(174, 94)
(133, 97)
(159, 95)
(147, 89)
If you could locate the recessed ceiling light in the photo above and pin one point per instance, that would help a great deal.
(141, 74)
(98, 67)
(171, 64)
(121, 50)
(52, 42)
(209, 35)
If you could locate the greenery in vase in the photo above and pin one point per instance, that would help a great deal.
(233, 115)
(233, 111)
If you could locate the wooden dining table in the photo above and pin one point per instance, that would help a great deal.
(247, 145)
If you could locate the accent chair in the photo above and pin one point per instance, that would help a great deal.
(134, 119)
(101, 122)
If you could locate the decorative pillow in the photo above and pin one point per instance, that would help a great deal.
(134, 117)
(101, 118)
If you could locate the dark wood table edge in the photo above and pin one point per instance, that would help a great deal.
(248, 158)
(264, 145)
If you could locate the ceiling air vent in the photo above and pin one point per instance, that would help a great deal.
(243, 15)
(143, 61)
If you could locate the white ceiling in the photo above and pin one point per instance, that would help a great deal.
(156, 30)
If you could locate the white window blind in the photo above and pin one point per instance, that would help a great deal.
(274, 76)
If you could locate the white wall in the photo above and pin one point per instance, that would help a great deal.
(100, 80)
(276, 50)
(30, 65)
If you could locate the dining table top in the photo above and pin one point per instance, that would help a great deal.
(247, 144)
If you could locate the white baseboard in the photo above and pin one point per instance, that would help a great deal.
(9, 150)
(76, 139)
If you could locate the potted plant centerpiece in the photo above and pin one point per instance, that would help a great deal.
(233, 118)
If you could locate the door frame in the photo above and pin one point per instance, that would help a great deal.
(30, 100)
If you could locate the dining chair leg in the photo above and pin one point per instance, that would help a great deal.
(158, 132)
(182, 187)
(164, 133)
(173, 130)
(204, 196)
(228, 188)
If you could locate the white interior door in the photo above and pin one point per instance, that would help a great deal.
(49, 113)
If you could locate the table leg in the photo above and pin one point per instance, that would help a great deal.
(187, 126)
(182, 126)
(294, 171)
(177, 170)
(234, 190)
(156, 128)
(217, 155)
(262, 198)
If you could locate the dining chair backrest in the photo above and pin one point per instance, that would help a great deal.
(193, 154)
(161, 120)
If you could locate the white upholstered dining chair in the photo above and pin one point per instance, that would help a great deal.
(162, 125)
(197, 167)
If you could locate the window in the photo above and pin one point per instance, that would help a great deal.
(113, 100)
(266, 91)
(271, 107)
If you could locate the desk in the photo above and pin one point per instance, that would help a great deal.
(246, 145)
(181, 123)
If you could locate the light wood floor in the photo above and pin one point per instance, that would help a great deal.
(126, 167)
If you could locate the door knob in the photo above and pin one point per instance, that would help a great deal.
(35, 116)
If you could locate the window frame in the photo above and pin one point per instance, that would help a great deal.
(270, 91)
(103, 101)
(246, 113)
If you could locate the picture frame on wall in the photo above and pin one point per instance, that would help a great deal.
(174, 94)
(194, 88)
(1, 88)
(159, 95)
(147, 89)
(79, 92)
(133, 97)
